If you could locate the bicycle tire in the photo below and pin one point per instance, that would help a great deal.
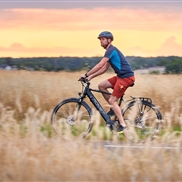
(71, 119)
(143, 120)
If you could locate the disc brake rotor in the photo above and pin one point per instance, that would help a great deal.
(70, 120)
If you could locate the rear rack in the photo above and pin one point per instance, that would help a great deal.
(142, 98)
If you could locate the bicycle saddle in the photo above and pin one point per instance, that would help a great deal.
(132, 85)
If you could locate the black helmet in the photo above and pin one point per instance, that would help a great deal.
(106, 34)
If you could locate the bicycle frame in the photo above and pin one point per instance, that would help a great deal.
(136, 107)
(88, 92)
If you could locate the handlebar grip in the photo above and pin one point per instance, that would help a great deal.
(83, 79)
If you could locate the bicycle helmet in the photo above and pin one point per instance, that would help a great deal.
(106, 34)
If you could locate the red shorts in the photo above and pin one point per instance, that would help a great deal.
(120, 85)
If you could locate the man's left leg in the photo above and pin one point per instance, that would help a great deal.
(119, 89)
(113, 101)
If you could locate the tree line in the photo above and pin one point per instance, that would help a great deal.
(172, 64)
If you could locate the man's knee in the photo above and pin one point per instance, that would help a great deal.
(113, 100)
(102, 86)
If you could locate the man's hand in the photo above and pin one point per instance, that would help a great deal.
(85, 77)
(89, 78)
(81, 79)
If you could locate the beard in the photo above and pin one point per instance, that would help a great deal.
(105, 45)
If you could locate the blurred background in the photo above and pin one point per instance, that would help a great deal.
(45, 46)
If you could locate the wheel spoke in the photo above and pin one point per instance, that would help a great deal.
(71, 120)
(142, 120)
(150, 118)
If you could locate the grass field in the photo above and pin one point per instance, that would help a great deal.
(31, 151)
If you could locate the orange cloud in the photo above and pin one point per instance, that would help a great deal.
(91, 19)
(73, 32)
(19, 50)
(169, 48)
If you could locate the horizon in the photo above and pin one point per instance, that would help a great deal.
(84, 57)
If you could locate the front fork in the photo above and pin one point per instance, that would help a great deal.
(75, 115)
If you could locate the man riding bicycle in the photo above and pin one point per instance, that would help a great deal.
(119, 83)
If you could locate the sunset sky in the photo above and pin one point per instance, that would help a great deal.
(70, 28)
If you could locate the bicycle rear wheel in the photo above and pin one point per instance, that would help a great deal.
(72, 119)
(143, 120)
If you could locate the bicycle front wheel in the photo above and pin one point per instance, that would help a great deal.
(143, 120)
(72, 119)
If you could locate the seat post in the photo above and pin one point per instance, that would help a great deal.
(120, 100)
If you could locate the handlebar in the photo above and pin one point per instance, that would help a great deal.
(84, 80)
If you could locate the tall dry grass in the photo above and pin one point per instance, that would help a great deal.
(30, 150)
(45, 89)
